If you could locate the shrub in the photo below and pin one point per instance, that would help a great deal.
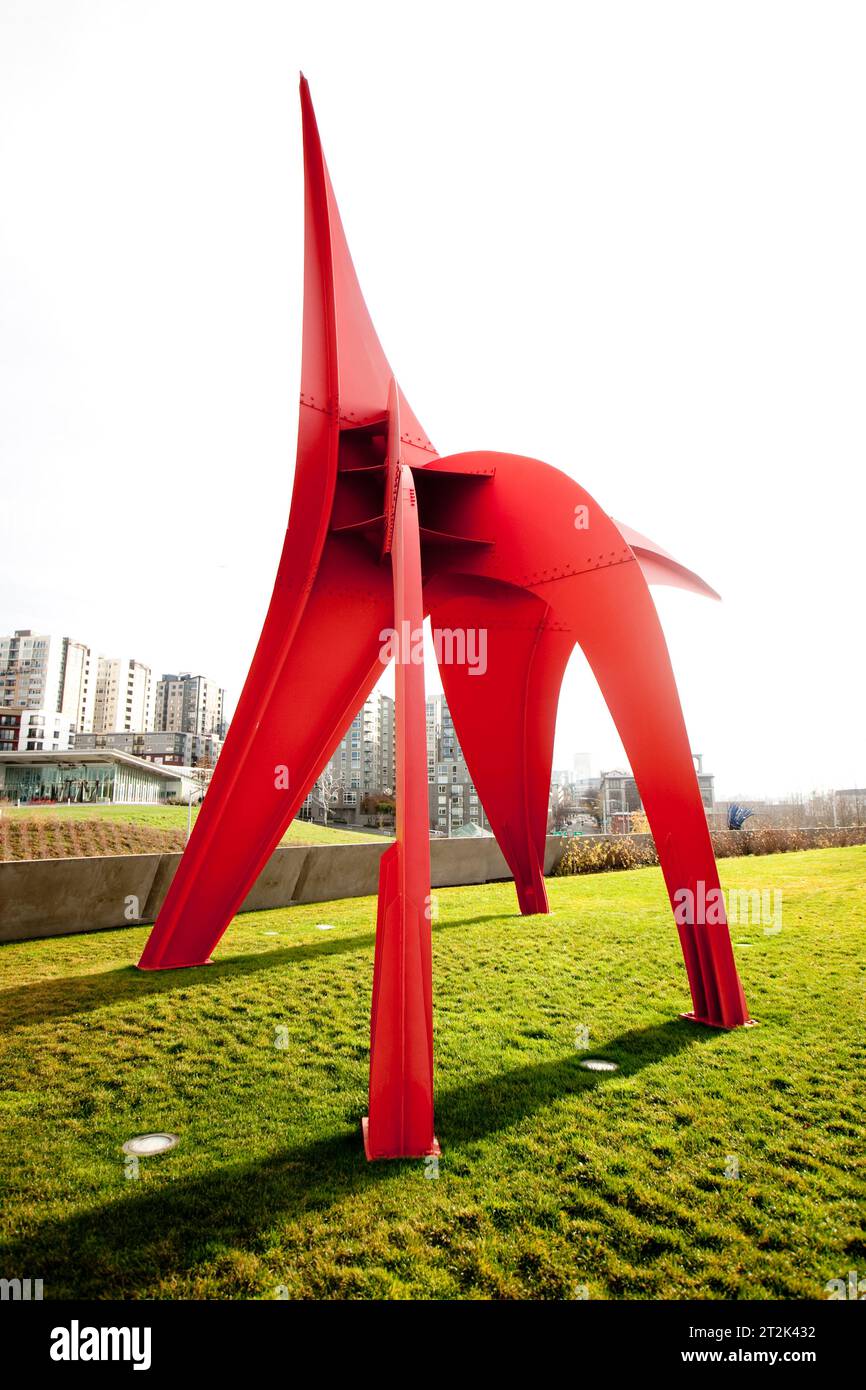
(779, 839)
(594, 856)
(591, 856)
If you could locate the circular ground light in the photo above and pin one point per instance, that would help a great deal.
(145, 1145)
(598, 1064)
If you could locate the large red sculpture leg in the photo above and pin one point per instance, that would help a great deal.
(613, 612)
(400, 1121)
(275, 750)
(587, 586)
(317, 657)
(518, 685)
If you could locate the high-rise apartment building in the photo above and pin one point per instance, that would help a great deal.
(364, 758)
(454, 801)
(39, 671)
(442, 745)
(434, 734)
(362, 763)
(122, 700)
(387, 743)
(168, 704)
(78, 683)
(188, 704)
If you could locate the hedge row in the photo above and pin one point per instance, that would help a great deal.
(591, 856)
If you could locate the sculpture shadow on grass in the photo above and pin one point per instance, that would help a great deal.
(68, 995)
(169, 1228)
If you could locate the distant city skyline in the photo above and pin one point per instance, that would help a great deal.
(606, 758)
(56, 670)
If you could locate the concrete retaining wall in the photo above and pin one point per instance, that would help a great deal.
(55, 897)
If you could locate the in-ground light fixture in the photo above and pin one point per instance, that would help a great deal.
(146, 1145)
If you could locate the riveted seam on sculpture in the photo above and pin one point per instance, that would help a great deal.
(361, 424)
(570, 571)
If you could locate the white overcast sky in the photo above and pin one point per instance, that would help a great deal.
(629, 239)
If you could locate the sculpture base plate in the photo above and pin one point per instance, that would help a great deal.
(188, 965)
(433, 1152)
(724, 1027)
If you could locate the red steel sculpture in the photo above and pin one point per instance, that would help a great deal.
(383, 532)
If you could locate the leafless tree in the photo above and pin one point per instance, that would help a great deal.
(327, 786)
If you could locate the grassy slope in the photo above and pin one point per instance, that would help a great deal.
(551, 1177)
(175, 818)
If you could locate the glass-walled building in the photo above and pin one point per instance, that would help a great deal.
(86, 779)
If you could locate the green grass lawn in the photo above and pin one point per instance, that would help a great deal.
(551, 1177)
(175, 818)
